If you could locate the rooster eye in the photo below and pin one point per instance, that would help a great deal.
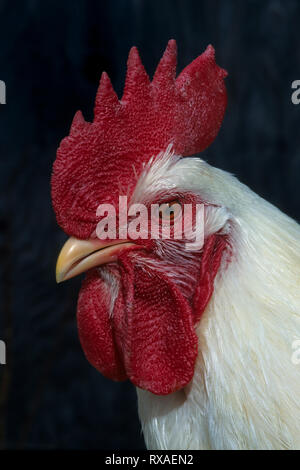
(168, 212)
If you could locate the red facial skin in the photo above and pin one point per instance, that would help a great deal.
(149, 336)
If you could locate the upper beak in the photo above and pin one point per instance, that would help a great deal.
(78, 256)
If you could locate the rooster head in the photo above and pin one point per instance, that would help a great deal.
(141, 297)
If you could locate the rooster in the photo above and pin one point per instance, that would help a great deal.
(205, 335)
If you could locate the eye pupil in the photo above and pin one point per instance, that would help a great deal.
(169, 211)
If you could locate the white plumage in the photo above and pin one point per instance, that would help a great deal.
(246, 389)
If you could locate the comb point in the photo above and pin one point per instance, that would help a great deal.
(137, 79)
(166, 69)
(210, 54)
(210, 51)
(78, 123)
(106, 97)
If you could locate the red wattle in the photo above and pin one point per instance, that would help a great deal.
(95, 328)
(155, 330)
(149, 336)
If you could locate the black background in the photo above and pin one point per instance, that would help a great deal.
(51, 56)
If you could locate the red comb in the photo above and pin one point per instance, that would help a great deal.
(95, 162)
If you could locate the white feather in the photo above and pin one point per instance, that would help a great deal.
(246, 389)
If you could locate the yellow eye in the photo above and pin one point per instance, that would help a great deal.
(168, 212)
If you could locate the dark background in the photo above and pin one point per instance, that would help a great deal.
(51, 56)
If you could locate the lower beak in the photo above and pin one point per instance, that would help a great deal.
(77, 256)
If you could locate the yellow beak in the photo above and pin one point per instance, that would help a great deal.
(77, 256)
